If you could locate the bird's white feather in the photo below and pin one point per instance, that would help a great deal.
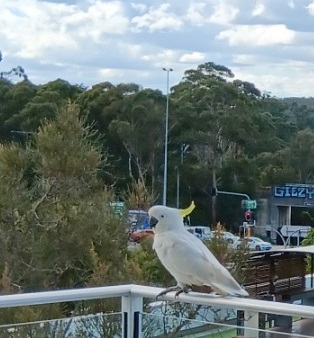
(186, 257)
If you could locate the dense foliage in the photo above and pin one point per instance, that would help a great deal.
(68, 151)
(238, 138)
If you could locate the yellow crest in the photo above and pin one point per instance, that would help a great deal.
(187, 211)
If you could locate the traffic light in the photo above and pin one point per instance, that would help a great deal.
(248, 216)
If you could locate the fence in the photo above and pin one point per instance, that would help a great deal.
(134, 320)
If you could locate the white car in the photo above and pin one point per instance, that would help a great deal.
(228, 236)
(201, 232)
(254, 243)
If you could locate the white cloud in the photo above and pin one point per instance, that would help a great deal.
(139, 7)
(310, 8)
(33, 29)
(87, 41)
(39, 27)
(244, 59)
(277, 78)
(192, 57)
(99, 19)
(109, 72)
(132, 50)
(161, 59)
(195, 13)
(259, 9)
(257, 35)
(157, 19)
(223, 14)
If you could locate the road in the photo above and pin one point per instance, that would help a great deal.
(278, 247)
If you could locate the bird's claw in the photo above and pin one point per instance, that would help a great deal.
(177, 288)
(178, 293)
(172, 288)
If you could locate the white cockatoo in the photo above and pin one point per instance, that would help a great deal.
(185, 256)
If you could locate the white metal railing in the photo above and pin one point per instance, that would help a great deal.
(132, 303)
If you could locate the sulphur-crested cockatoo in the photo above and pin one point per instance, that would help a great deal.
(185, 256)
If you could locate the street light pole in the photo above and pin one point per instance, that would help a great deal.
(164, 199)
(183, 149)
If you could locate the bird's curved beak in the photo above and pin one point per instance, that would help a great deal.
(153, 222)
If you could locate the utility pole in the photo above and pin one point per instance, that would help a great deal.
(164, 198)
(183, 150)
(214, 199)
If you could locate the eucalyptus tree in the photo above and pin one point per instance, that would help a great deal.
(140, 128)
(294, 163)
(13, 100)
(15, 71)
(5, 87)
(213, 115)
(42, 104)
(301, 115)
(101, 105)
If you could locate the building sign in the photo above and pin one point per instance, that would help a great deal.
(294, 191)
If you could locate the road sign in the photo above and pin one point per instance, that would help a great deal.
(250, 204)
(117, 207)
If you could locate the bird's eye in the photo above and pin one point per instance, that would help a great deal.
(162, 216)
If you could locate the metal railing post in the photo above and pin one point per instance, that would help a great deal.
(131, 308)
(294, 232)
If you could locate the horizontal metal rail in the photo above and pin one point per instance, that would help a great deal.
(246, 304)
(49, 297)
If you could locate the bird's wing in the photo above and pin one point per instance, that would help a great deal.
(190, 262)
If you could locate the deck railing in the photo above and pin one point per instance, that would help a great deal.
(132, 306)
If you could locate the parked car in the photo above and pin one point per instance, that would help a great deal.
(254, 243)
(228, 236)
(138, 235)
(201, 232)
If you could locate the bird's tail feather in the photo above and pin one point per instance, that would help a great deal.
(224, 291)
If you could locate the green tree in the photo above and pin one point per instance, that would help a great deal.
(46, 102)
(140, 129)
(16, 71)
(14, 100)
(130, 120)
(57, 226)
(100, 105)
(216, 118)
(294, 163)
(301, 115)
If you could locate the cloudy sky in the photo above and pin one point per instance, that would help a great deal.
(267, 42)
